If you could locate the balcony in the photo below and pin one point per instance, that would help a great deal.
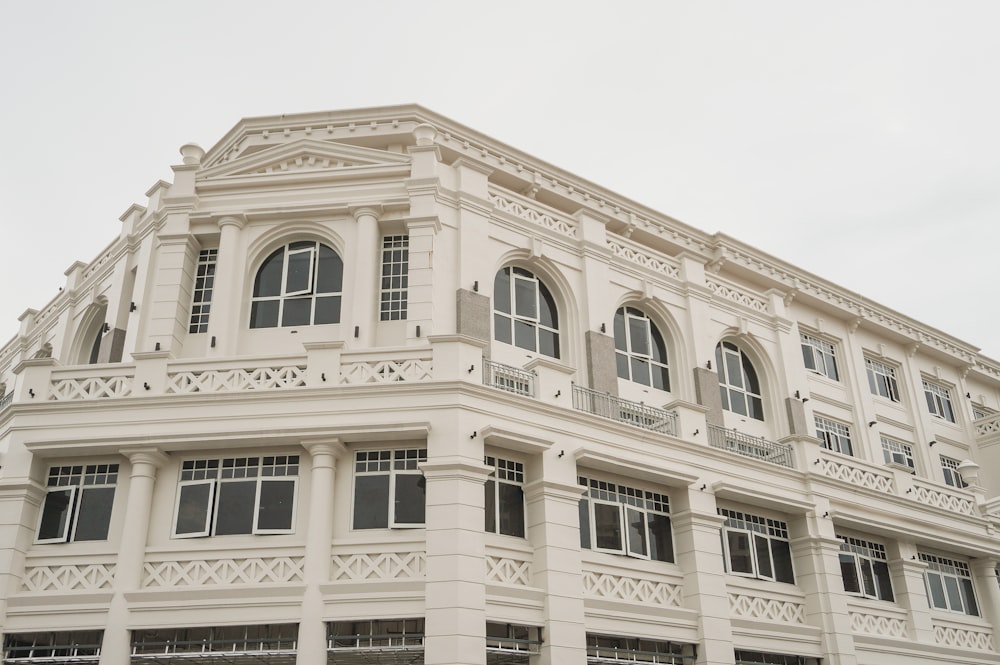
(624, 411)
(510, 379)
(751, 446)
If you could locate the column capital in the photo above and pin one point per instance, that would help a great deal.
(153, 457)
(374, 211)
(553, 489)
(456, 467)
(236, 219)
(332, 448)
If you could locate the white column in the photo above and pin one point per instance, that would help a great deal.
(319, 539)
(227, 297)
(907, 573)
(116, 647)
(366, 259)
(984, 579)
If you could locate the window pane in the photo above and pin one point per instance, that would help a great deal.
(737, 402)
(511, 510)
(884, 581)
(661, 378)
(849, 572)
(268, 282)
(501, 291)
(277, 497)
(661, 543)
(620, 343)
(733, 371)
(192, 508)
(640, 371)
(659, 349)
(410, 501)
(491, 506)
(755, 407)
(621, 361)
(970, 597)
(55, 514)
(327, 310)
(296, 312)
(638, 332)
(607, 523)
(807, 356)
(329, 277)
(548, 343)
(584, 524)
(954, 593)
(782, 560)
(751, 374)
(234, 513)
(868, 577)
(524, 335)
(937, 590)
(300, 278)
(636, 531)
(763, 547)
(547, 314)
(740, 559)
(94, 515)
(264, 314)
(525, 298)
(371, 502)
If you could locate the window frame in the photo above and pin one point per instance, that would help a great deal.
(834, 435)
(748, 376)
(204, 287)
(309, 292)
(905, 451)
(821, 354)
(626, 498)
(509, 472)
(938, 400)
(392, 473)
(945, 569)
(949, 470)
(882, 380)
(72, 478)
(866, 555)
(542, 296)
(394, 281)
(213, 503)
(625, 350)
(758, 530)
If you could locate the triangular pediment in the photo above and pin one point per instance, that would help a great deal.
(304, 155)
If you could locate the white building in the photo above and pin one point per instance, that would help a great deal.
(259, 425)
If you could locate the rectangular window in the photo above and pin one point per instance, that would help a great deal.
(756, 546)
(834, 435)
(395, 278)
(744, 657)
(864, 569)
(204, 282)
(236, 495)
(625, 520)
(505, 497)
(511, 644)
(882, 379)
(949, 467)
(376, 635)
(895, 452)
(242, 643)
(78, 502)
(939, 401)
(53, 647)
(389, 488)
(949, 585)
(979, 412)
(615, 648)
(819, 356)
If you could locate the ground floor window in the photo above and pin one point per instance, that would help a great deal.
(511, 644)
(744, 657)
(59, 647)
(619, 649)
(271, 643)
(376, 641)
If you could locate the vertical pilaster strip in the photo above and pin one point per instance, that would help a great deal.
(176, 258)
(366, 267)
(227, 293)
(910, 590)
(984, 579)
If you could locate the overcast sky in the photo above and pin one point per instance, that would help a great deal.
(857, 140)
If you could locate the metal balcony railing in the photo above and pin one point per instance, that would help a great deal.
(512, 379)
(746, 445)
(624, 411)
(6, 400)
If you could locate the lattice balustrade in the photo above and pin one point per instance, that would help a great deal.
(964, 638)
(734, 294)
(989, 425)
(530, 214)
(83, 577)
(631, 589)
(201, 572)
(939, 498)
(766, 609)
(874, 624)
(502, 570)
(385, 371)
(645, 260)
(93, 387)
(236, 380)
(377, 567)
(855, 475)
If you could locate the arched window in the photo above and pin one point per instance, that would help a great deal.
(639, 349)
(738, 382)
(524, 313)
(298, 285)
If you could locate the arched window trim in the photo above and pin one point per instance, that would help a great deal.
(307, 291)
(738, 382)
(524, 312)
(643, 361)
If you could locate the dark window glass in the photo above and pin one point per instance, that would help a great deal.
(525, 298)
(762, 545)
(330, 273)
(277, 497)
(501, 291)
(490, 507)
(661, 542)
(371, 502)
(192, 509)
(970, 596)
(636, 522)
(327, 310)
(268, 282)
(297, 311)
(547, 315)
(740, 559)
(299, 278)
(264, 314)
(584, 524)
(849, 573)
(607, 521)
(94, 515)
(235, 508)
(782, 553)
(55, 514)
(548, 343)
(501, 329)
(884, 581)
(511, 510)
(524, 335)
(410, 498)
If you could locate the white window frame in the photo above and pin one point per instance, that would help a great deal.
(939, 401)
(897, 452)
(628, 352)
(957, 572)
(284, 295)
(627, 500)
(952, 476)
(756, 528)
(213, 479)
(819, 356)
(876, 369)
(393, 300)
(204, 287)
(506, 471)
(534, 321)
(865, 556)
(726, 382)
(834, 435)
(74, 479)
(410, 467)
